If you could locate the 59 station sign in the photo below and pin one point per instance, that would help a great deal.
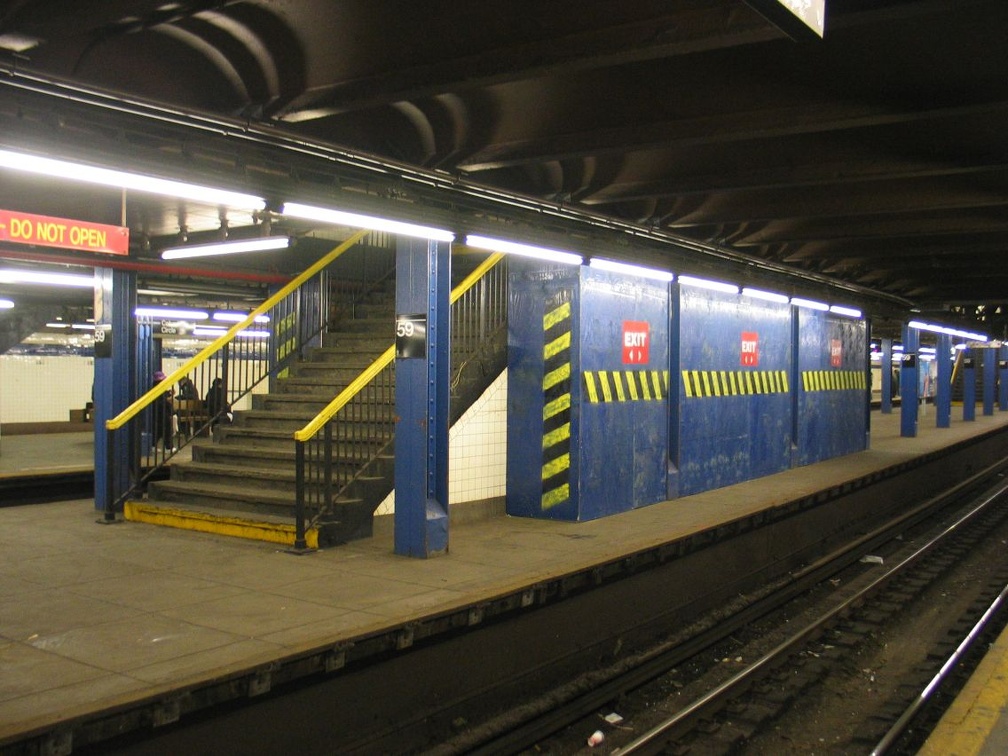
(46, 231)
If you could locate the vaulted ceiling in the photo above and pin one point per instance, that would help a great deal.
(876, 156)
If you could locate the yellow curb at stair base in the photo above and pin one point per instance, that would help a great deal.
(207, 523)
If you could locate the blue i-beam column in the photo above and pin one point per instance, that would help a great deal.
(114, 368)
(989, 379)
(885, 371)
(1003, 378)
(969, 385)
(423, 280)
(909, 378)
(943, 389)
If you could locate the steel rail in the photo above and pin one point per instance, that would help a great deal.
(713, 699)
(934, 685)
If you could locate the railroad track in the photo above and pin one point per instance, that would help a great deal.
(852, 598)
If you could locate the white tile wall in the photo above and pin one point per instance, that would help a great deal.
(37, 389)
(477, 451)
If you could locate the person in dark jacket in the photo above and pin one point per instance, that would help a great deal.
(218, 408)
(187, 391)
(162, 416)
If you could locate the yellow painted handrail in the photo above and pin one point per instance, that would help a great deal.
(207, 352)
(358, 384)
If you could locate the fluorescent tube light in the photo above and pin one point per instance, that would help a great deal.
(6, 304)
(810, 303)
(215, 331)
(632, 270)
(262, 244)
(523, 250)
(769, 296)
(704, 283)
(57, 325)
(92, 174)
(11, 276)
(237, 317)
(848, 311)
(83, 326)
(935, 328)
(169, 312)
(342, 218)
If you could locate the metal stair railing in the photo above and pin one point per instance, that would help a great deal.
(357, 427)
(242, 358)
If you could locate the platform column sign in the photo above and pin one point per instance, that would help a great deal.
(421, 397)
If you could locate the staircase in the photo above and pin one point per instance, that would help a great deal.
(248, 467)
(242, 481)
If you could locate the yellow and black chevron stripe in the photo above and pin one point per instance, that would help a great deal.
(625, 385)
(833, 380)
(556, 402)
(701, 384)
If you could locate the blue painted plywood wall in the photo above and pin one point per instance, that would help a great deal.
(735, 389)
(832, 386)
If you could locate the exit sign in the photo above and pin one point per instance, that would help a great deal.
(799, 19)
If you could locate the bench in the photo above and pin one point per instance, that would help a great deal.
(192, 415)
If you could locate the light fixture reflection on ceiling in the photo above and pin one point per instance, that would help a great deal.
(262, 244)
(705, 283)
(6, 304)
(523, 250)
(768, 296)
(634, 270)
(356, 220)
(12, 276)
(91, 174)
(170, 312)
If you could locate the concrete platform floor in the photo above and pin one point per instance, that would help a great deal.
(94, 616)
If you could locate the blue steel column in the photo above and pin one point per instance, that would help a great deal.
(969, 385)
(115, 301)
(909, 378)
(989, 379)
(795, 379)
(943, 389)
(885, 369)
(422, 393)
(1003, 378)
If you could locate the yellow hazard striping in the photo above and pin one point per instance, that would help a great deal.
(625, 385)
(699, 384)
(557, 406)
(833, 380)
(554, 316)
(553, 377)
(235, 527)
(559, 344)
(555, 466)
(557, 436)
(555, 496)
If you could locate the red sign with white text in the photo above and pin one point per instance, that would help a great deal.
(835, 353)
(44, 231)
(750, 349)
(636, 342)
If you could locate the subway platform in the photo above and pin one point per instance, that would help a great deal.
(105, 617)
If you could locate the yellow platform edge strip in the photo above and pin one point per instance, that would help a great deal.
(235, 527)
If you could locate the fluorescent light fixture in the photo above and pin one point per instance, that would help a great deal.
(6, 304)
(810, 304)
(237, 317)
(897, 347)
(83, 326)
(523, 250)
(91, 174)
(927, 350)
(11, 276)
(214, 332)
(848, 311)
(342, 218)
(631, 270)
(703, 283)
(169, 312)
(57, 325)
(262, 244)
(935, 328)
(769, 296)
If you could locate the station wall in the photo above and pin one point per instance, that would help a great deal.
(735, 390)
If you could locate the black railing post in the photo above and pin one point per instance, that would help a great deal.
(300, 542)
